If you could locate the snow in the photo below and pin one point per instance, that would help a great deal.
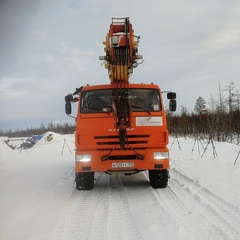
(39, 201)
(217, 173)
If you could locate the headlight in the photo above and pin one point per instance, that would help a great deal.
(160, 155)
(83, 158)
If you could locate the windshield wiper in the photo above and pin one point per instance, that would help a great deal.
(145, 110)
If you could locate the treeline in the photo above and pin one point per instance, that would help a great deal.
(222, 127)
(220, 121)
(65, 128)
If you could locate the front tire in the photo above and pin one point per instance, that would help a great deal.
(84, 180)
(158, 178)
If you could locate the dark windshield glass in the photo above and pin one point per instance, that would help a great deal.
(140, 100)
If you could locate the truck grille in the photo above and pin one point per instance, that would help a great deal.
(133, 141)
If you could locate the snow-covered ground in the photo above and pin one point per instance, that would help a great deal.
(38, 199)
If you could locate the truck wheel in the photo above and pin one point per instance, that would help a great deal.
(84, 180)
(158, 178)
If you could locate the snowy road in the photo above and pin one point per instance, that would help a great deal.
(107, 208)
(198, 204)
(184, 210)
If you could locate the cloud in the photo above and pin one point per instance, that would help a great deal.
(48, 48)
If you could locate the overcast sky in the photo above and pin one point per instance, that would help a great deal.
(50, 47)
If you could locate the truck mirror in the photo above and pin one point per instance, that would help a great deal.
(171, 95)
(68, 108)
(172, 105)
(69, 98)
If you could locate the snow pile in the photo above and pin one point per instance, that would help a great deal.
(7, 141)
(50, 137)
(6, 150)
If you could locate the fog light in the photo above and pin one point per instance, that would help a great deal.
(83, 158)
(160, 155)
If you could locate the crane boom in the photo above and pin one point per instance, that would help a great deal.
(121, 48)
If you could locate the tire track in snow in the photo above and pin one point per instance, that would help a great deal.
(199, 213)
(224, 214)
(101, 213)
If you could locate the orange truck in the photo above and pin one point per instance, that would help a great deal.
(121, 127)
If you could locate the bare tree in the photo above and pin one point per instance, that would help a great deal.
(212, 104)
(237, 103)
(221, 107)
(231, 99)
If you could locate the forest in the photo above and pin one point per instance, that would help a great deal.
(218, 119)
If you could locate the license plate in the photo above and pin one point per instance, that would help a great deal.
(123, 165)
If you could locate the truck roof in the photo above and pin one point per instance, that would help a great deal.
(130, 85)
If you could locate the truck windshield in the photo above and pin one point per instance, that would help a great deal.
(140, 100)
